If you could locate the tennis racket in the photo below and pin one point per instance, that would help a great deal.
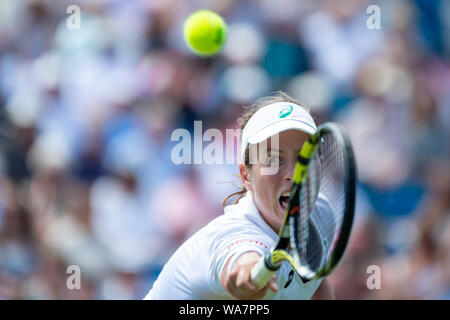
(319, 215)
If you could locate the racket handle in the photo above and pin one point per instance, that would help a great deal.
(260, 274)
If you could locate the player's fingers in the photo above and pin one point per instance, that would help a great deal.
(273, 283)
(230, 282)
(243, 280)
(246, 289)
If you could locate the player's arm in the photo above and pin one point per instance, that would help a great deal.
(238, 283)
(324, 292)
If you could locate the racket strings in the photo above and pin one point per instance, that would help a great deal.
(333, 189)
(323, 191)
(308, 196)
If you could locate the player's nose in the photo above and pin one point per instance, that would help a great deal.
(289, 170)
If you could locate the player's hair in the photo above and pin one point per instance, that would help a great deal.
(249, 111)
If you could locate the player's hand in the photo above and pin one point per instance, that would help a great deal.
(238, 282)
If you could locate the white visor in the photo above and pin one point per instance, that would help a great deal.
(275, 118)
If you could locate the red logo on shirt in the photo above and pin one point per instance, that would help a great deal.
(246, 241)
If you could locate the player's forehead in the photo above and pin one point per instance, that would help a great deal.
(286, 141)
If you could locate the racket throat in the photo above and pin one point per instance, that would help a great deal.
(271, 261)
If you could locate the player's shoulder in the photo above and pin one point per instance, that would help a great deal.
(236, 222)
(240, 216)
(233, 223)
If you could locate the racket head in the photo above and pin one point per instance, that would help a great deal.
(319, 236)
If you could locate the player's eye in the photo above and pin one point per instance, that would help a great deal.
(270, 161)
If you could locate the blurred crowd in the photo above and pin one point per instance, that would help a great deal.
(86, 117)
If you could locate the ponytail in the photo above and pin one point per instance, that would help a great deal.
(241, 193)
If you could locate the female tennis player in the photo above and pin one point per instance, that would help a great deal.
(216, 262)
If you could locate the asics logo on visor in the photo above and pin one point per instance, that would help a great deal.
(286, 111)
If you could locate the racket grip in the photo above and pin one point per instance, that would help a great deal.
(260, 274)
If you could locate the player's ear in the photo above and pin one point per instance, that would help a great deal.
(244, 172)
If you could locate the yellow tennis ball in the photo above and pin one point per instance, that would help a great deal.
(205, 32)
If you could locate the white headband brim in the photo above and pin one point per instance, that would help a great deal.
(270, 120)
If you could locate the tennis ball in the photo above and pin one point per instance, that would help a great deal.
(205, 32)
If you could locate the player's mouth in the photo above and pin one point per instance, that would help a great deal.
(284, 199)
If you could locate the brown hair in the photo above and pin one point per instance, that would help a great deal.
(249, 111)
